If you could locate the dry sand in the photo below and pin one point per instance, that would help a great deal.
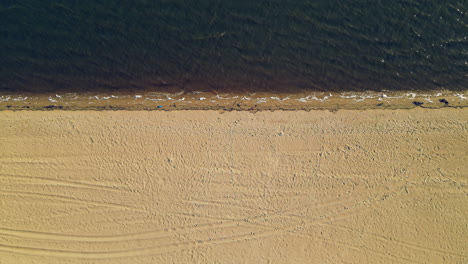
(374, 186)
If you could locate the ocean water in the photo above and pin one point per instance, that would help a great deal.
(274, 45)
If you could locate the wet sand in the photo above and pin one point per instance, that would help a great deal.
(373, 186)
(240, 101)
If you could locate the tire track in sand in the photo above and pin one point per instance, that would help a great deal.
(162, 248)
(343, 214)
(60, 183)
(168, 231)
(67, 199)
(387, 239)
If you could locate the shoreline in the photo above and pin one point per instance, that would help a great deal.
(150, 100)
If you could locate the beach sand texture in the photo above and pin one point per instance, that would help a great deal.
(373, 186)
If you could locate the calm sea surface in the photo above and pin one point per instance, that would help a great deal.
(274, 45)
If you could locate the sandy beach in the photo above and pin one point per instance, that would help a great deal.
(351, 186)
(233, 132)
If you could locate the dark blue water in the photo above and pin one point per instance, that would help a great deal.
(275, 45)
